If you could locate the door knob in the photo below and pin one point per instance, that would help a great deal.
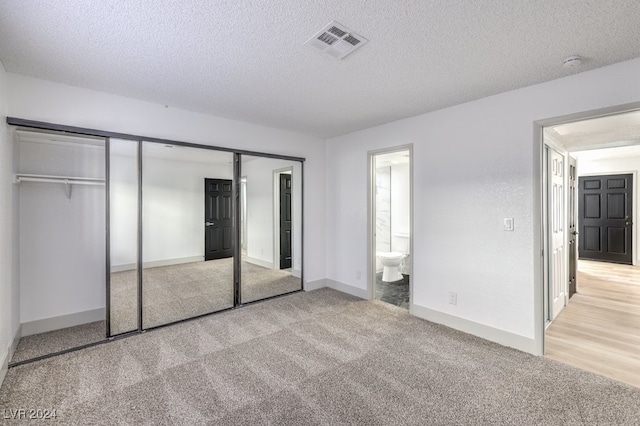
(209, 223)
(629, 223)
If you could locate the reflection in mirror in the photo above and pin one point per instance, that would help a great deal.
(123, 235)
(60, 222)
(187, 232)
(271, 237)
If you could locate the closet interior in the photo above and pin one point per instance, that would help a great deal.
(120, 235)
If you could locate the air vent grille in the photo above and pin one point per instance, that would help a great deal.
(337, 31)
(336, 40)
(351, 40)
(327, 38)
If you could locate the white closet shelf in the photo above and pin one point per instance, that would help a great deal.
(67, 180)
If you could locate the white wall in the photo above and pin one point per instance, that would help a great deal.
(474, 166)
(400, 207)
(261, 208)
(62, 240)
(41, 100)
(9, 294)
(615, 166)
(123, 205)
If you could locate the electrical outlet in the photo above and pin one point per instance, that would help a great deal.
(453, 298)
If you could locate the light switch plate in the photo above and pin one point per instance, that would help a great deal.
(508, 224)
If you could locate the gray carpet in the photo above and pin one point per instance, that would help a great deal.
(170, 293)
(314, 358)
(37, 345)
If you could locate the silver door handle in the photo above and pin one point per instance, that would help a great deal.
(629, 223)
(575, 232)
(209, 223)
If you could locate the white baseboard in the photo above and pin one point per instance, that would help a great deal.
(156, 263)
(11, 348)
(260, 262)
(362, 293)
(63, 321)
(314, 285)
(4, 366)
(14, 343)
(496, 335)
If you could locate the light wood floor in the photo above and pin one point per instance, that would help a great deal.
(599, 330)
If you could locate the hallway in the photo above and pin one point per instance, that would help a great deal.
(599, 330)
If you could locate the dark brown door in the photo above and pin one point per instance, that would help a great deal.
(218, 219)
(605, 205)
(285, 221)
(573, 230)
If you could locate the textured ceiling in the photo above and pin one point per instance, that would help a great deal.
(245, 60)
(608, 153)
(608, 131)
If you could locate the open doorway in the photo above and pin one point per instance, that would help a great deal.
(592, 286)
(391, 226)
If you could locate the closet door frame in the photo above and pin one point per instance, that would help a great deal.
(236, 203)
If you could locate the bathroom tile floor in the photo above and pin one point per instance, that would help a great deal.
(396, 293)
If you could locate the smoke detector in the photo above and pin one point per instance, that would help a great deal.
(336, 40)
(571, 61)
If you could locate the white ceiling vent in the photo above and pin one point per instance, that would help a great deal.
(336, 40)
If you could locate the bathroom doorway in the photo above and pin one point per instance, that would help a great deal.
(390, 230)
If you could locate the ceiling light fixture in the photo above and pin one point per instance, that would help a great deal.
(571, 61)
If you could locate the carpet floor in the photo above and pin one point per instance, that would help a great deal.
(320, 357)
(170, 293)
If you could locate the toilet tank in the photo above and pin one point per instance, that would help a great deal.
(401, 242)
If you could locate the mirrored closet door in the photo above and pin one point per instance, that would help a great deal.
(123, 236)
(187, 232)
(271, 237)
(116, 235)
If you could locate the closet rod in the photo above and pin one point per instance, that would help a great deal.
(68, 181)
(57, 179)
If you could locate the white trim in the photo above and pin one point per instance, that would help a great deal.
(486, 332)
(4, 367)
(16, 339)
(156, 263)
(62, 321)
(539, 258)
(315, 285)
(371, 225)
(362, 293)
(11, 349)
(260, 262)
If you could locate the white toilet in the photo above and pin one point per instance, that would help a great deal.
(391, 263)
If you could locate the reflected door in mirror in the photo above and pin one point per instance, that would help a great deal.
(218, 215)
(285, 221)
